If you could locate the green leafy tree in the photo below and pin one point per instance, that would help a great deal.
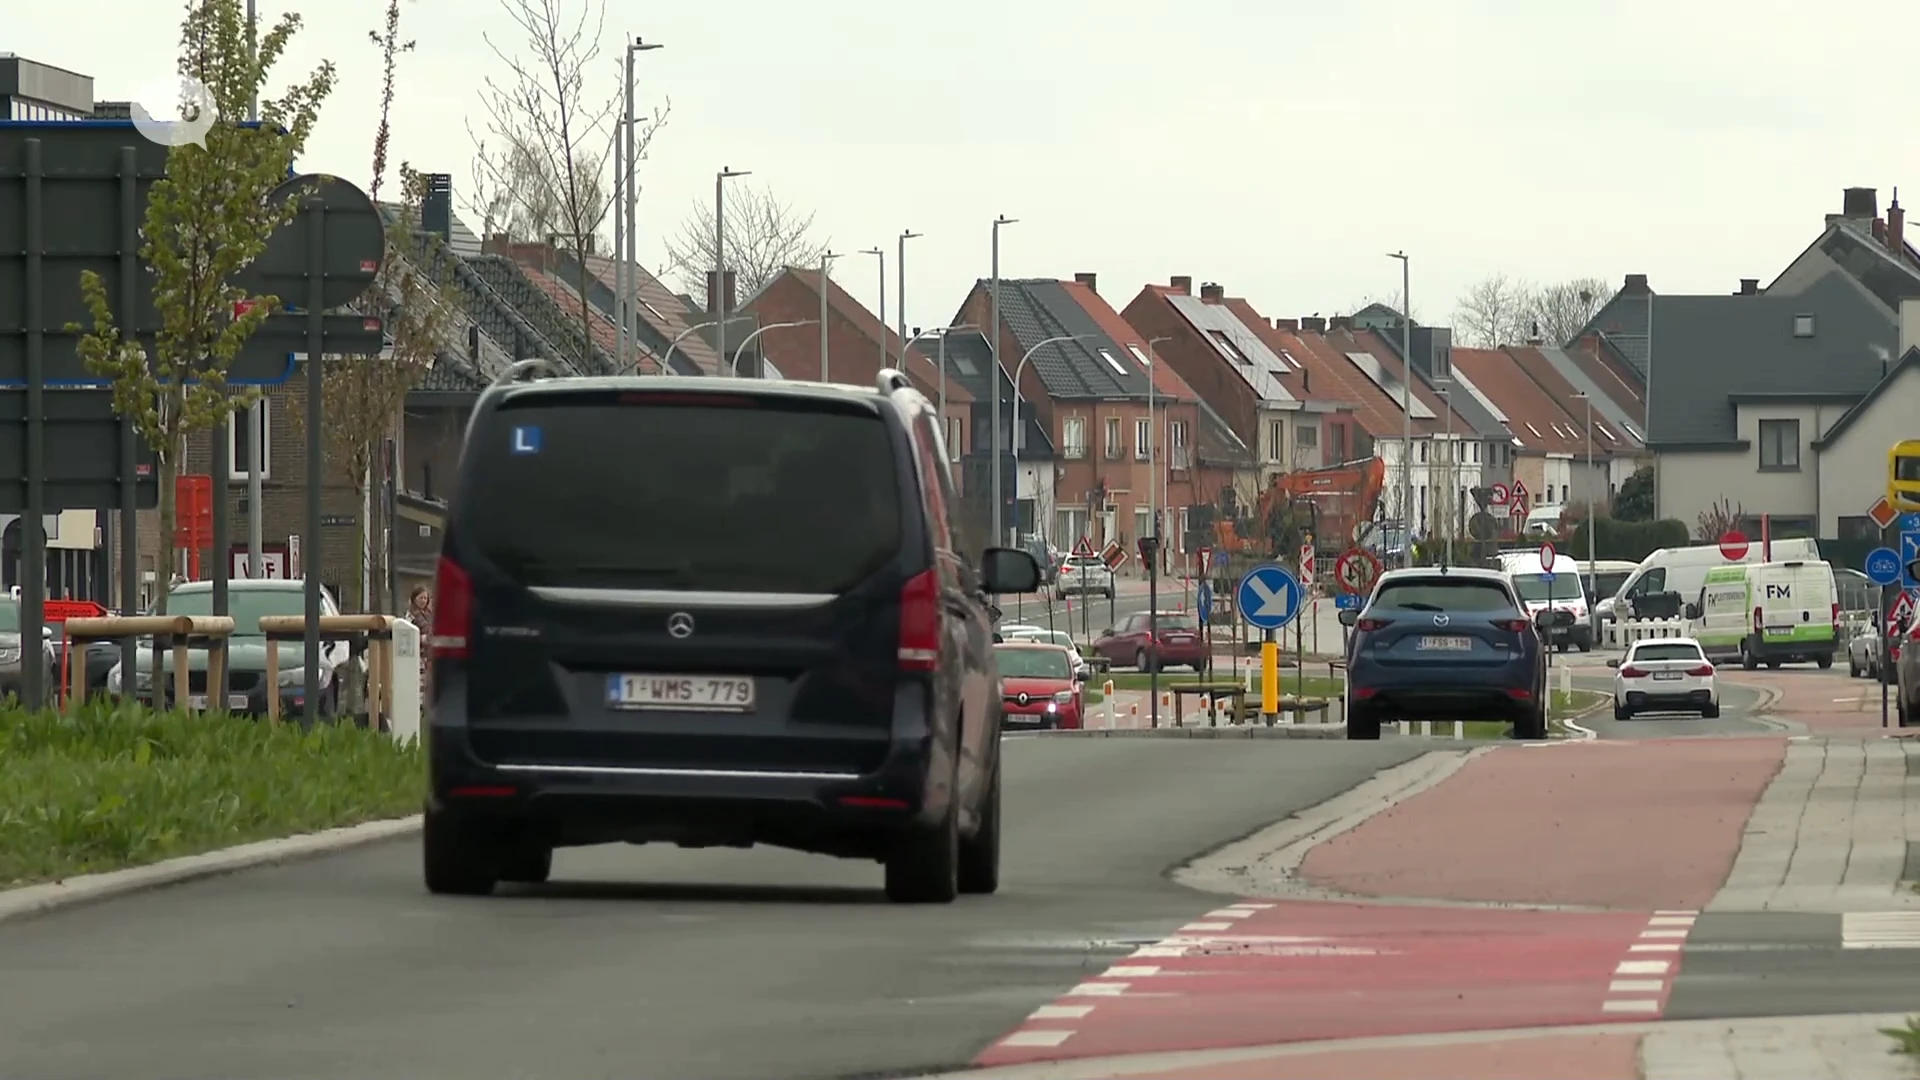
(205, 221)
(1634, 500)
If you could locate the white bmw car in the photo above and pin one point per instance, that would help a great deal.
(1667, 674)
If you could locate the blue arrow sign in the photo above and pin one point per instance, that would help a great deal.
(1203, 600)
(1883, 566)
(1909, 522)
(1269, 596)
(1909, 551)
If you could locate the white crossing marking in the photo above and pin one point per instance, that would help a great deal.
(1670, 920)
(1159, 951)
(1060, 1012)
(1664, 934)
(1636, 986)
(1630, 1005)
(1036, 1038)
(1657, 946)
(1228, 913)
(1207, 926)
(1121, 971)
(1250, 906)
(1666, 912)
(1642, 967)
(1880, 930)
(1098, 989)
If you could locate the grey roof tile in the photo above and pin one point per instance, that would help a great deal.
(1037, 309)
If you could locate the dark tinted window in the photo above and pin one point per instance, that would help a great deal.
(1608, 583)
(1025, 662)
(1444, 594)
(757, 496)
(1667, 652)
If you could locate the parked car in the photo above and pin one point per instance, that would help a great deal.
(1179, 643)
(1040, 686)
(622, 656)
(247, 600)
(1863, 651)
(15, 656)
(1445, 643)
(1045, 636)
(1669, 674)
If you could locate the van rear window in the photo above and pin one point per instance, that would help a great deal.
(700, 496)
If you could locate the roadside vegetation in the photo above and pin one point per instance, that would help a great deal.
(105, 788)
(1291, 685)
(1906, 1040)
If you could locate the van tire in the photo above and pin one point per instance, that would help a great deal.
(1748, 661)
(530, 864)
(980, 853)
(1823, 661)
(1363, 724)
(925, 867)
(1532, 726)
(455, 860)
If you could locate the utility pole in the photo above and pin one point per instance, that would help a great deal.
(900, 271)
(993, 344)
(881, 254)
(826, 260)
(720, 179)
(1406, 406)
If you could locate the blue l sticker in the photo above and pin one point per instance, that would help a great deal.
(526, 440)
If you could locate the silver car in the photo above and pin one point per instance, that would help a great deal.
(10, 651)
(1863, 652)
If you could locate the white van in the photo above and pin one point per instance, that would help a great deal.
(1682, 571)
(1603, 578)
(1563, 592)
(1768, 613)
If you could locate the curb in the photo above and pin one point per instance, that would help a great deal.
(1237, 731)
(32, 900)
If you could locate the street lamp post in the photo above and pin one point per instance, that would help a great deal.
(881, 254)
(628, 260)
(993, 344)
(666, 362)
(826, 367)
(1593, 616)
(900, 294)
(1406, 405)
(1444, 387)
(941, 333)
(726, 173)
(742, 350)
(1153, 473)
(1014, 431)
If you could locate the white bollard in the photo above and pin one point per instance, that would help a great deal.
(1106, 692)
(1426, 729)
(1566, 680)
(1459, 729)
(404, 682)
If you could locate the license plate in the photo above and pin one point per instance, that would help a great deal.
(1666, 675)
(1445, 644)
(683, 693)
(1179, 639)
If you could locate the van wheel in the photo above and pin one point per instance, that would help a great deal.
(1823, 662)
(1363, 724)
(925, 868)
(1747, 660)
(455, 858)
(980, 854)
(528, 865)
(1532, 726)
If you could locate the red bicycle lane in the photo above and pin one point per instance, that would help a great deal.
(1647, 829)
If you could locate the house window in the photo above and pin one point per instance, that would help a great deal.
(1276, 434)
(1780, 444)
(1142, 436)
(1443, 364)
(1073, 436)
(1803, 326)
(1138, 355)
(238, 447)
(1112, 363)
(1113, 437)
(1142, 522)
(1423, 453)
(1176, 456)
(1476, 453)
(1564, 493)
(1306, 436)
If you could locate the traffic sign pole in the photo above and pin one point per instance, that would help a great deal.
(1885, 645)
(1269, 597)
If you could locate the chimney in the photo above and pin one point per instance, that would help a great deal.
(1211, 293)
(713, 290)
(1636, 283)
(537, 256)
(1181, 284)
(1286, 324)
(1860, 203)
(733, 301)
(436, 208)
(1896, 227)
(497, 244)
(1880, 230)
(1341, 322)
(1314, 323)
(1749, 287)
(1091, 281)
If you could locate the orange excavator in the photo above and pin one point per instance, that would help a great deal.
(1329, 501)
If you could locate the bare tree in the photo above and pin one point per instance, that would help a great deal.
(1555, 313)
(1718, 519)
(548, 135)
(1492, 313)
(764, 236)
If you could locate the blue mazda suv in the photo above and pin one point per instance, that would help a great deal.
(1444, 643)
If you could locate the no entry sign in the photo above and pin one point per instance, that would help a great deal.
(1733, 546)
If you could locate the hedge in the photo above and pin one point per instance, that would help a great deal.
(106, 788)
(1630, 541)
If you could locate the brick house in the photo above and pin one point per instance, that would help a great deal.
(1091, 396)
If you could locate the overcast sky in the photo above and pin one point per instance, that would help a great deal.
(1279, 147)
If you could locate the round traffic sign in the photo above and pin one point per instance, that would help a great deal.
(1547, 557)
(1497, 496)
(1733, 546)
(1268, 596)
(1357, 570)
(1883, 566)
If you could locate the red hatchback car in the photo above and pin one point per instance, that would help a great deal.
(1181, 642)
(1038, 686)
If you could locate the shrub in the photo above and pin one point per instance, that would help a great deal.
(1628, 540)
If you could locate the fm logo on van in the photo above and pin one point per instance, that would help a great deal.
(1779, 592)
(526, 440)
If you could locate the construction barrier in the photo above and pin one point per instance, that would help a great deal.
(392, 650)
(176, 633)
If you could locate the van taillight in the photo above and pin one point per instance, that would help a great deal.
(1836, 620)
(1756, 620)
(920, 622)
(452, 610)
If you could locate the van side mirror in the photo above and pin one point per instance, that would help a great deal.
(1693, 611)
(1009, 570)
(1348, 616)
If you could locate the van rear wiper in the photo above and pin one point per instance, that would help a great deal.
(1418, 605)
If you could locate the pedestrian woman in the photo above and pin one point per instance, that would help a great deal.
(420, 614)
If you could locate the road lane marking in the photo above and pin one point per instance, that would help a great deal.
(1099, 989)
(1636, 986)
(1642, 967)
(1229, 913)
(1036, 1038)
(1670, 920)
(1152, 951)
(1122, 971)
(1681, 934)
(1631, 1005)
(1251, 906)
(1207, 926)
(1689, 911)
(1661, 946)
(1060, 1012)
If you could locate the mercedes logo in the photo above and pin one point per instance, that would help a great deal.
(1438, 620)
(680, 625)
(1022, 698)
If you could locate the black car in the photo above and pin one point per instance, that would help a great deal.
(1445, 643)
(713, 612)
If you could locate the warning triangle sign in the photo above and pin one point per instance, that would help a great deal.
(1084, 547)
(1902, 610)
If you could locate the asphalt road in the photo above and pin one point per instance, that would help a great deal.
(646, 963)
(1736, 703)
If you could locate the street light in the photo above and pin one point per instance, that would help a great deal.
(900, 272)
(826, 260)
(881, 254)
(1406, 406)
(626, 225)
(1593, 615)
(666, 362)
(1444, 387)
(1153, 474)
(726, 173)
(1014, 431)
(742, 350)
(993, 343)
